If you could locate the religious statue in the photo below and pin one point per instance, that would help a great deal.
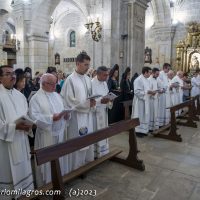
(57, 59)
(194, 65)
(147, 55)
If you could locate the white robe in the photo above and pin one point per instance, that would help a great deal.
(75, 91)
(41, 108)
(154, 123)
(179, 90)
(162, 84)
(100, 115)
(168, 95)
(15, 171)
(177, 95)
(141, 106)
(195, 81)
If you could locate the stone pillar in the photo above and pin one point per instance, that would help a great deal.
(163, 37)
(38, 53)
(136, 34)
(3, 56)
(22, 17)
(115, 32)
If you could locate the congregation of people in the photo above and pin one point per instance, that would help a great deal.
(64, 107)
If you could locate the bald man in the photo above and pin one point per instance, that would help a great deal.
(178, 79)
(46, 108)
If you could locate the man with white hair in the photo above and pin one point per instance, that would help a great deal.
(46, 107)
(177, 80)
(16, 171)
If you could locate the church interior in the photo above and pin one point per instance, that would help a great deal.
(39, 36)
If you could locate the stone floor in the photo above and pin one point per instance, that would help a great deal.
(172, 171)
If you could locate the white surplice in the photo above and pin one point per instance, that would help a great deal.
(41, 108)
(75, 91)
(179, 90)
(168, 95)
(195, 82)
(15, 171)
(162, 84)
(100, 115)
(154, 123)
(141, 105)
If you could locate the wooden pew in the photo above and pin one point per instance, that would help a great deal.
(126, 106)
(52, 153)
(172, 135)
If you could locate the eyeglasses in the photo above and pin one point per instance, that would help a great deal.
(9, 74)
(52, 84)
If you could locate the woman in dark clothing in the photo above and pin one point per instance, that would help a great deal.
(113, 80)
(125, 85)
(116, 113)
(132, 81)
(20, 80)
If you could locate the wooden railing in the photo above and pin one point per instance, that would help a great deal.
(126, 106)
(190, 118)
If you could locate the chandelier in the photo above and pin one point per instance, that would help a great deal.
(94, 28)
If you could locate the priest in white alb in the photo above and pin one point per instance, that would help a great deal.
(141, 102)
(195, 82)
(169, 93)
(75, 92)
(47, 108)
(153, 100)
(163, 84)
(15, 171)
(100, 87)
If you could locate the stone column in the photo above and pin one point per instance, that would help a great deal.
(3, 56)
(38, 53)
(163, 37)
(136, 34)
(22, 15)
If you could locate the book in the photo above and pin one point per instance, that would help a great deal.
(94, 96)
(110, 96)
(26, 120)
(67, 111)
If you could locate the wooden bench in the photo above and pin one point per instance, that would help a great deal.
(172, 135)
(52, 153)
(126, 106)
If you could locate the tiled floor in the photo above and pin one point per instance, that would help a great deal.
(172, 171)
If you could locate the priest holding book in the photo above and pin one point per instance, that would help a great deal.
(99, 86)
(76, 93)
(16, 171)
(47, 108)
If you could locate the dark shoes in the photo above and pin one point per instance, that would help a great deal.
(140, 135)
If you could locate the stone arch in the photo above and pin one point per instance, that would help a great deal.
(160, 11)
(41, 16)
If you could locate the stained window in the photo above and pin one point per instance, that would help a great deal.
(72, 39)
